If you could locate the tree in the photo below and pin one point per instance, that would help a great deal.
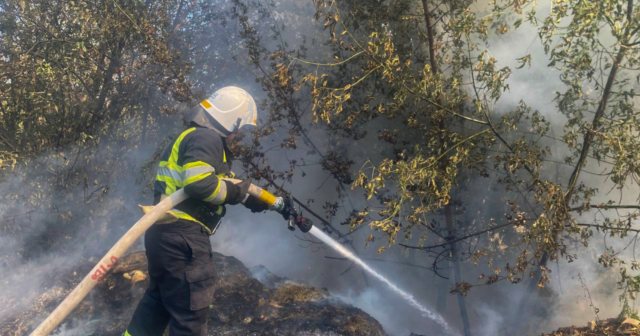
(426, 69)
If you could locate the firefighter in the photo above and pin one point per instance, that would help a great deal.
(179, 254)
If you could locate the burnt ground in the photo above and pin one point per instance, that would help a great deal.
(242, 304)
(609, 327)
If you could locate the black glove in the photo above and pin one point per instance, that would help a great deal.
(236, 193)
(255, 205)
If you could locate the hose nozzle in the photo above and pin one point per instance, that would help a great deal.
(293, 217)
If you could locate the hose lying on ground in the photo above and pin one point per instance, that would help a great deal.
(152, 214)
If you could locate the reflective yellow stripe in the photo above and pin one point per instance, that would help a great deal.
(126, 333)
(186, 216)
(220, 194)
(195, 178)
(215, 192)
(195, 171)
(170, 182)
(190, 173)
(183, 215)
(169, 179)
(169, 176)
(184, 167)
(166, 164)
(173, 181)
(224, 155)
(173, 159)
(188, 176)
(196, 164)
(176, 177)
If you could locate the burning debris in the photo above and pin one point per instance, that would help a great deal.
(242, 304)
(610, 327)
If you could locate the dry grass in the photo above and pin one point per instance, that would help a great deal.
(291, 292)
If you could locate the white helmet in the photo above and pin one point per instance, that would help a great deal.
(226, 111)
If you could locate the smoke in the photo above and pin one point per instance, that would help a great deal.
(401, 321)
(77, 328)
(60, 210)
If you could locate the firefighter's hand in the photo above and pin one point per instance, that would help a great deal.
(255, 205)
(237, 193)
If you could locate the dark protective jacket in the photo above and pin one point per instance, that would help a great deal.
(195, 162)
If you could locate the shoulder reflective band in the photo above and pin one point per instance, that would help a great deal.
(219, 195)
(169, 172)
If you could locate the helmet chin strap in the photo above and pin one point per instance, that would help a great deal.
(220, 133)
(236, 127)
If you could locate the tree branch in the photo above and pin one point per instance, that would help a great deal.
(282, 190)
(388, 261)
(597, 119)
(604, 206)
(606, 227)
(458, 239)
(8, 143)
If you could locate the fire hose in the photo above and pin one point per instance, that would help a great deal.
(153, 214)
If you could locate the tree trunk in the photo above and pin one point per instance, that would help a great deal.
(455, 264)
(443, 295)
(147, 106)
(586, 145)
(448, 212)
(522, 324)
(114, 62)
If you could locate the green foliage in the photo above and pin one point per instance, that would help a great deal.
(427, 69)
(72, 69)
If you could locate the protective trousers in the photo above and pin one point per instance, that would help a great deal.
(182, 282)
